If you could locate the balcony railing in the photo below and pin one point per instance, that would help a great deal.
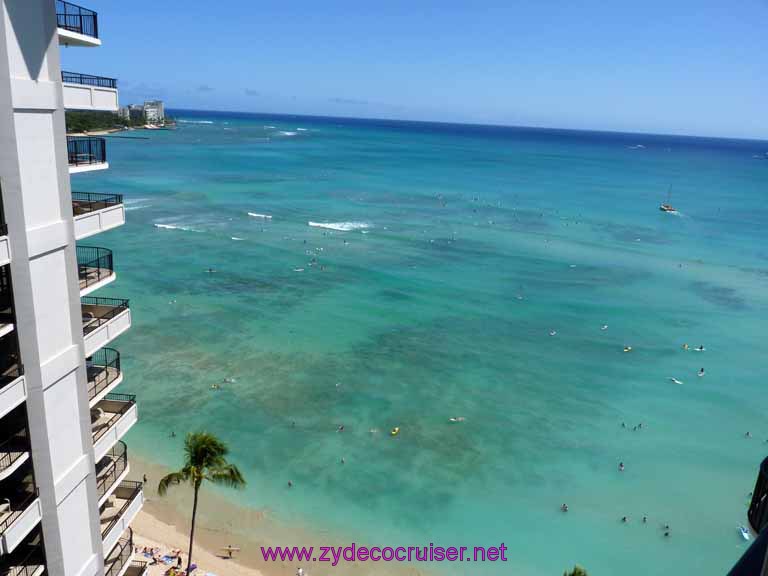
(88, 80)
(110, 468)
(3, 225)
(103, 368)
(27, 559)
(125, 494)
(85, 202)
(107, 412)
(758, 508)
(77, 19)
(16, 509)
(97, 311)
(11, 371)
(7, 315)
(13, 449)
(93, 265)
(119, 556)
(85, 150)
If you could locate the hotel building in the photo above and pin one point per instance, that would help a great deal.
(65, 503)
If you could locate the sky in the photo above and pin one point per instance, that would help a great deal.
(660, 66)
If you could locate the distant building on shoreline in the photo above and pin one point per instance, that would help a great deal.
(151, 112)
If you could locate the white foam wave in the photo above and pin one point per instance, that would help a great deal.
(195, 121)
(270, 127)
(236, 238)
(301, 129)
(137, 207)
(257, 215)
(341, 226)
(287, 133)
(174, 227)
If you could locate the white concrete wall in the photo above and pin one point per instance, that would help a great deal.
(37, 202)
(82, 97)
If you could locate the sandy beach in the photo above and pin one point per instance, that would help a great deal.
(164, 523)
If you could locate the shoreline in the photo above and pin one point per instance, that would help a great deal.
(164, 522)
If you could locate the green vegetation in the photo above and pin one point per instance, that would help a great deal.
(86, 121)
(577, 571)
(205, 459)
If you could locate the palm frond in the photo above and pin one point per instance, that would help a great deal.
(226, 475)
(172, 479)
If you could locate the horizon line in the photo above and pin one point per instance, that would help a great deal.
(476, 124)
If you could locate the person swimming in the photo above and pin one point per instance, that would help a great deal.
(701, 372)
(621, 466)
(685, 346)
(627, 348)
(553, 332)
(564, 507)
(700, 348)
(456, 419)
(604, 327)
(624, 519)
(340, 428)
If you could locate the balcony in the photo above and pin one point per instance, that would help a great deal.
(111, 418)
(95, 268)
(20, 509)
(118, 512)
(28, 559)
(13, 387)
(103, 373)
(120, 560)
(77, 26)
(87, 92)
(104, 319)
(86, 153)
(7, 313)
(96, 213)
(5, 245)
(14, 451)
(111, 470)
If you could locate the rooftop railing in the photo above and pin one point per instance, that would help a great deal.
(88, 80)
(97, 311)
(85, 202)
(758, 507)
(117, 405)
(94, 264)
(77, 19)
(119, 556)
(129, 491)
(102, 369)
(111, 467)
(84, 150)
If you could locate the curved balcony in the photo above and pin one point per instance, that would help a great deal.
(757, 514)
(95, 268)
(119, 560)
(111, 470)
(7, 309)
(118, 512)
(86, 153)
(95, 212)
(87, 92)
(28, 559)
(20, 509)
(103, 373)
(111, 418)
(5, 246)
(104, 319)
(77, 26)
(14, 451)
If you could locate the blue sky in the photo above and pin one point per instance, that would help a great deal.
(672, 66)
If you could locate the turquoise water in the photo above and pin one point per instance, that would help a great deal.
(466, 247)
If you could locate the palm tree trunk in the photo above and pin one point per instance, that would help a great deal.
(192, 530)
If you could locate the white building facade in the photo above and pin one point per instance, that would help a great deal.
(65, 503)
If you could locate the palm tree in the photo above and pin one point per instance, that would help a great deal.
(205, 459)
(577, 571)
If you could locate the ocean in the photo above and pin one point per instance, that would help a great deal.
(379, 274)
